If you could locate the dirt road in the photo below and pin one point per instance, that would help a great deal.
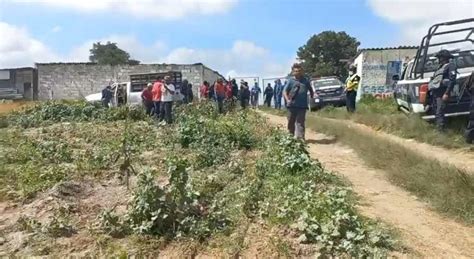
(462, 159)
(424, 231)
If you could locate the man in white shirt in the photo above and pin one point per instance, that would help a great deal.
(167, 93)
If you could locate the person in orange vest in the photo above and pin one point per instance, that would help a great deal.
(156, 97)
(220, 91)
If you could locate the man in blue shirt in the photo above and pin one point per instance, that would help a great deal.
(296, 96)
(278, 93)
(255, 93)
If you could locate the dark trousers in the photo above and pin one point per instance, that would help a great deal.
(470, 125)
(440, 108)
(105, 103)
(149, 106)
(277, 102)
(220, 104)
(296, 122)
(157, 109)
(268, 100)
(167, 111)
(244, 103)
(351, 101)
(254, 100)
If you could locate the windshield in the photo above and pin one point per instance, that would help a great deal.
(462, 60)
(326, 82)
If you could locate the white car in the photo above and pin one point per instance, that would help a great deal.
(124, 94)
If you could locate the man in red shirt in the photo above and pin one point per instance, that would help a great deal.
(147, 99)
(219, 89)
(156, 96)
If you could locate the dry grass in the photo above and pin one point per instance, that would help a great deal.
(12, 106)
(383, 115)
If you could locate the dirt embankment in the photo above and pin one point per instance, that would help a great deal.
(427, 233)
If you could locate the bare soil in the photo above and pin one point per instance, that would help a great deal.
(423, 231)
(7, 107)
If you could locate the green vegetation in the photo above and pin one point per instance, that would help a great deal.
(448, 189)
(214, 178)
(383, 115)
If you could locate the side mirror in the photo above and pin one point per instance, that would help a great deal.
(395, 77)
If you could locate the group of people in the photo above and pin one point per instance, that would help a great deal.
(158, 99)
(221, 92)
(275, 93)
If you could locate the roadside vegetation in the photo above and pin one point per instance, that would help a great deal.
(448, 189)
(208, 185)
(382, 114)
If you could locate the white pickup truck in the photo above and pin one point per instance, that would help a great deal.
(411, 90)
(129, 93)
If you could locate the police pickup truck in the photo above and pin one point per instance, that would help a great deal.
(129, 93)
(327, 91)
(411, 90)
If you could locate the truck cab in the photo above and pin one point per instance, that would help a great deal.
(411, 88)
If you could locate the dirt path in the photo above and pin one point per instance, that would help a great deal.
(425, 232)
(462, 159)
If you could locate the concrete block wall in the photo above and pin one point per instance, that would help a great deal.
(77, 80)
(372, 66)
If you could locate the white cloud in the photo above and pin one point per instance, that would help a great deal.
(56, 29)
(164, 9)
(242, 58)
(18, 48)
(129, 43)
(414, 17)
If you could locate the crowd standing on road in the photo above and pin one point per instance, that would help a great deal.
(158, 97)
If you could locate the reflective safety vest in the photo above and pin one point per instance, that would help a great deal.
(352, 82)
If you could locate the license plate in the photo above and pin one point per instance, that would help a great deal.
(316, 100)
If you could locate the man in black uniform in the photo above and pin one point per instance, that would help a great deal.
(440, 86)
(470, 126)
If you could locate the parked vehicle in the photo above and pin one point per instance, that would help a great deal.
(129, 93)
(411, 89)
(327, 91)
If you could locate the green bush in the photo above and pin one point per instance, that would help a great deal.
(71, 111)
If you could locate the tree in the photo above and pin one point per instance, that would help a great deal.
(322, 55)
(110, 54)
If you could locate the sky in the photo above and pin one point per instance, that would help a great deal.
(234, 37)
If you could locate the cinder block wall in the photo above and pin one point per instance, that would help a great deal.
(77, 80)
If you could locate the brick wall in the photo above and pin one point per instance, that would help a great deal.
(76, 80)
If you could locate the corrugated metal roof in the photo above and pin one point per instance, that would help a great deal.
(94, 63)
(389, 48)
